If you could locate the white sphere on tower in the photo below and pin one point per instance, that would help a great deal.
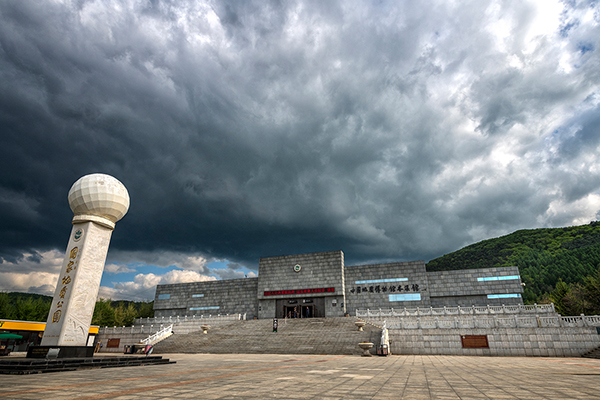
(98, 195)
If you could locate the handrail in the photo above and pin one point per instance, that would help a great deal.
(158, 335)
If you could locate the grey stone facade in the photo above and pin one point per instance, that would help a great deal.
(377, 294)
(317, 271)
(319, 285)
(462, 287)
(235, 296)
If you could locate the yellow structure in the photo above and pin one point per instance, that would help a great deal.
(32, 333)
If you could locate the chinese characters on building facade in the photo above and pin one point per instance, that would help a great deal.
(413, 288)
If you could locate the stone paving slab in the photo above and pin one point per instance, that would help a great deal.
(257, 376)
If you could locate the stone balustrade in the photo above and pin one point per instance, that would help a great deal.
(152, 325)
(190, 318)
(491, 322)
(441, 311)
(147, 329)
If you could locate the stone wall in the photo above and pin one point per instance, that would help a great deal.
(317, 271)
(377, 295)
(537, 342)
(126, 339)
(266, 308)
(235, 296)
(461, 287)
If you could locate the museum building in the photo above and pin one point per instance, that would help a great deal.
(320, 285)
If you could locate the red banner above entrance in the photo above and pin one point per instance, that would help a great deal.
(299, 291)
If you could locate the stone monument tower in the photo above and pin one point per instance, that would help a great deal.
(98, 202)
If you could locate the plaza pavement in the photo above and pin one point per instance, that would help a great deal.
(264, 376)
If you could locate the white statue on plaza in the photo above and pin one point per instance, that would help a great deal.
(98, 202)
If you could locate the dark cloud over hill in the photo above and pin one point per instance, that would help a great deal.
(392, 131)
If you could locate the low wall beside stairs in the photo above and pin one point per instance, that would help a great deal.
(538, 342)
(340, 336)
(145, 327)
(125, 339)
(422, 336)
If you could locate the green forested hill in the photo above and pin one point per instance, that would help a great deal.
(543, 256)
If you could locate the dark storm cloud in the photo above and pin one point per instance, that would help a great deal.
(580, 136)
(234, 266)
(389, 130)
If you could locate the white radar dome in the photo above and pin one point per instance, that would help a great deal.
(99, 195)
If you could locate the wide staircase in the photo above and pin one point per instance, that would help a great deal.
(293, 336)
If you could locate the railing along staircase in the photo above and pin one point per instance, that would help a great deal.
(158, 336)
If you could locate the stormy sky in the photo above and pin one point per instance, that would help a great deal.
(390, 130)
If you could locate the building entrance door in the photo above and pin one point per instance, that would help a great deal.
(308, 311)
(313, 307)
(299, 311)
(290, 311)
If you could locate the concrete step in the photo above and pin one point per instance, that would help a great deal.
(593, 354)
(194, 325)
(23, 366)
(293, 336)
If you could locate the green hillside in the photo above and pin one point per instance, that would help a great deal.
(543, 256)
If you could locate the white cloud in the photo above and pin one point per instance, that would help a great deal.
(44, 261)
(38, 273)
(187, 261)
(143, 287)
(34, 272)
(118, 268)
(33, 282)
(578, 212)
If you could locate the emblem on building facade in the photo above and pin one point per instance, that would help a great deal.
(297, 268)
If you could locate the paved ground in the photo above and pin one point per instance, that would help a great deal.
(208, 376)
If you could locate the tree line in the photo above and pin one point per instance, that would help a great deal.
(24, 306)
(121, 313)
(577, 298)
(35, 307)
